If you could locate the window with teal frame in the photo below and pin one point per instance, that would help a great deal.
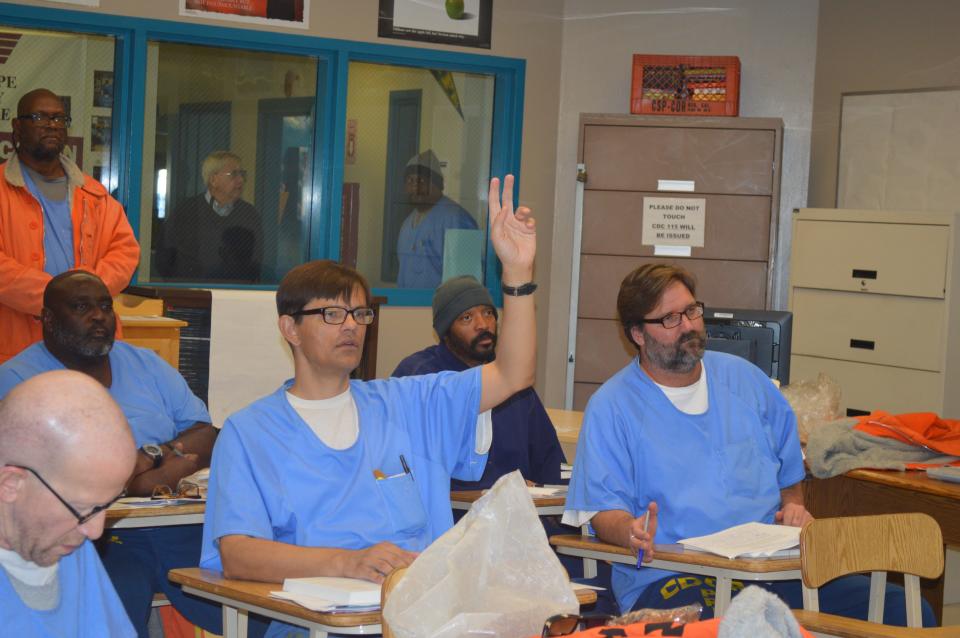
(294, 147)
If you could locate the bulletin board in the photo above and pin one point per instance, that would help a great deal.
(900, 150)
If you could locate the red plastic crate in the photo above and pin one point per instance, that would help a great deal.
(685, 85)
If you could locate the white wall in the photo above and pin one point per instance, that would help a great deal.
(776, 43)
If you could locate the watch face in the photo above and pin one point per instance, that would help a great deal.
(153, 450)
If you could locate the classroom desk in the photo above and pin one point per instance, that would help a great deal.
(853, 628)
(865, 492)
(546, 505)
(240, 597)
(675, 558)
(123, 517)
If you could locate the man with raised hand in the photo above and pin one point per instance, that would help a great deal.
(330, 476)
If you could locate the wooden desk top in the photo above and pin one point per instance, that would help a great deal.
(677, 554)
(567, 424)
(255, 593)
(141, 321)
(469, 496)
(119, 512)
(851, 628)
(915, 480)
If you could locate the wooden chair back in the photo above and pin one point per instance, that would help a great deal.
(389, 583)
(911, 544)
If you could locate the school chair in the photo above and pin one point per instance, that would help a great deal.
(911, 544)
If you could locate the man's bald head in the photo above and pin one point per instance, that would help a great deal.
(65, 453)
(55, 418)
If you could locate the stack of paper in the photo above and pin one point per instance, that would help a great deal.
(331, 594)
(566, 471)
(749, 540)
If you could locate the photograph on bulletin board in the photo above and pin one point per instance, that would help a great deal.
(463, 22)
(290, 13)
(103, 89)
(100, 133)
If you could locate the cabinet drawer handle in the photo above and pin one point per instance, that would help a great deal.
(864, 274)
(862, 344)
(856, 412)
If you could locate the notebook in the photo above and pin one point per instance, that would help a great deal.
(340, 591)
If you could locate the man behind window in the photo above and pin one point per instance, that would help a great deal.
(330, 476)
(53, 218)
(215, 236)
(420, 243)
(170, 425)
(65, 453)
(699, 441)
(523, 437)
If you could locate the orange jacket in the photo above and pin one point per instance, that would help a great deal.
(103, 243)
(923, 429)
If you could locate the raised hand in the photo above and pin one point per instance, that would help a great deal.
(513, 233)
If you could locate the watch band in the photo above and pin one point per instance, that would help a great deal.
(154, 453)
(519, 291)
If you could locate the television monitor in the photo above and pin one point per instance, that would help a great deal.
(762, 337)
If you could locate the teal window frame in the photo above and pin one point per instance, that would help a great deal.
(132, 35)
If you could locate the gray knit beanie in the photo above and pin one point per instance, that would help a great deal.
(453, 297)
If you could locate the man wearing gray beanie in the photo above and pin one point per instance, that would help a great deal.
(465, 319)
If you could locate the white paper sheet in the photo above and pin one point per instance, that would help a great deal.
(749, 539)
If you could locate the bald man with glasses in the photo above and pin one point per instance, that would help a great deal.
(53, 218)
(54, 428)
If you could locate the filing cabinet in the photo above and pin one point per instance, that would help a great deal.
(877, 307)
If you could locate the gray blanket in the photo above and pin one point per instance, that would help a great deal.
(835, 447)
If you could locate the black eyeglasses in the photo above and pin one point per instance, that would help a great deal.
(239, 172)
(674, 319)
(336, 315)
(44, 119)
(81, 518)
(566, 624)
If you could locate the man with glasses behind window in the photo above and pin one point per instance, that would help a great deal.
(53, 429)
(215, 236)
(683, 443)
(53, 218)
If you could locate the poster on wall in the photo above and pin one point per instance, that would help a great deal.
(287, 13)
(463, 22)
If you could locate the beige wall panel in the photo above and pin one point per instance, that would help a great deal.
(874, 45)
(909, 259)
(602, 349)
(870, 387)
(831, 324)
(718, 160)
(730, 284)
(737, 226)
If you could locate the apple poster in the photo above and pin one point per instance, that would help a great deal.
(464, 22)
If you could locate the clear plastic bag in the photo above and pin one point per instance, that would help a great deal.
(493, 574)
(814, 402)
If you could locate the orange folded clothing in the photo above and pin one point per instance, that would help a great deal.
(923, 429)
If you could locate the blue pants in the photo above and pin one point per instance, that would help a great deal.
(137, 561)
(848, 596)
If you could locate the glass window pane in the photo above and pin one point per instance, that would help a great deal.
(418, 162)
(228, 139)
(34, 60)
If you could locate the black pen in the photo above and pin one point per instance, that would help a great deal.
(406, 468)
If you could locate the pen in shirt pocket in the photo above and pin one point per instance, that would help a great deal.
(406, 468)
